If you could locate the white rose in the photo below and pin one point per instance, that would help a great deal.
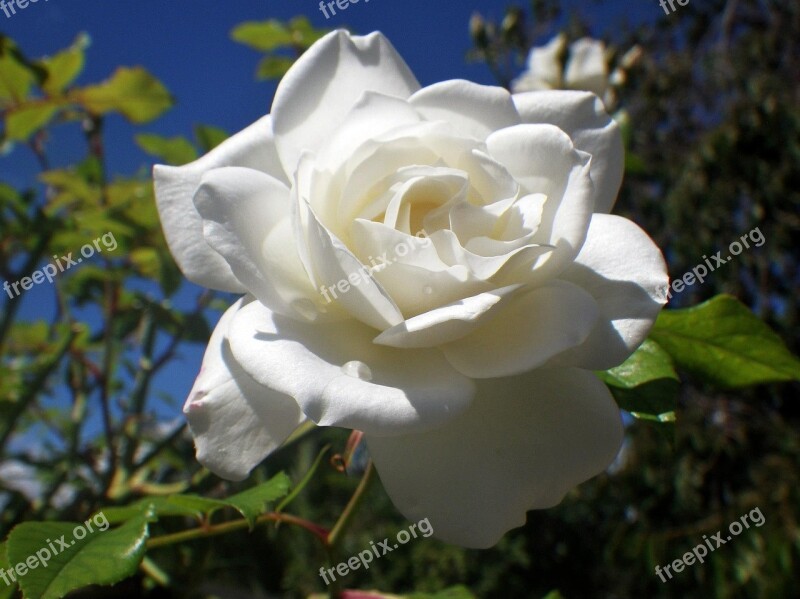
(467, 358)
(585, 68)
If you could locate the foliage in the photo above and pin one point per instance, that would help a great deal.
(281, 42)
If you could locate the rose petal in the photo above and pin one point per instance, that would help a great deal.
(476, 110)
(583, 116)
(410, 270)
(625, 272)
(380, 246)
(491, 180)
(417, 290)
(175, 186)
(374, 163)
(320, 89)
(523, 444)
(528, 330)
(543, 160)
(332, 265)
(236, 422)
(421, 191)
(387, 391)
(373, 114)
(247, 220)
(447, 323)
(544, 67)
(586, 68)
(521, 261)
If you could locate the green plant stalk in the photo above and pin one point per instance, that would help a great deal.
(334, 537)
(36, 385)
(232, 526)
(77, 417)
(106, 383)
(152, 570)
(150, 367)
(306, 479)
(349, 511)
(140, 388)
(33, 259)
(300, 432)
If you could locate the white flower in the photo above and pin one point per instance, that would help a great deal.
(585, 69)
(466, 358)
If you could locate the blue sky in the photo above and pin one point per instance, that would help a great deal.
(187, 45)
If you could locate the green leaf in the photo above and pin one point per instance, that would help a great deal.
(30, 336)
(158, 506)
(646, 384)
(209, 137)
(16, 76)
(172, 150)
(11, 198)
(648, 363)
(252, 503)
(70, 190)
(262, 35)
(722, 342)
(133, 92)
(6, 591)
(147, 262)
(101, 557)
(656, 400)
(199, 505)
(303, 33)
(63, 68)
(22, 122)
(191, 506)
(273, 67)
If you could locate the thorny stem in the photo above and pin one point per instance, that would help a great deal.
(226, 527)
(329, 539)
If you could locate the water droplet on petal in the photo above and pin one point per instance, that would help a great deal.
(427, 290)
(305, 308)
(357, 370)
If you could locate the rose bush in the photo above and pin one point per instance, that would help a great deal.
(585, 68)
(467, 360)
